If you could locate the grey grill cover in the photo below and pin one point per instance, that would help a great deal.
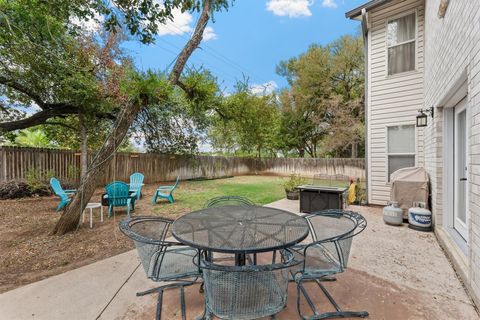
(409, 185)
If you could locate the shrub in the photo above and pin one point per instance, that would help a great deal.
(21, 189)
(36, 178)
(294, 181)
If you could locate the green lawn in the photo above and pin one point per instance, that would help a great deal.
(192, 195)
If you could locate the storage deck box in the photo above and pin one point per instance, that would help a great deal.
(316, 198)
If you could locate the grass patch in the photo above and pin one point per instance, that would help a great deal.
(192, 195)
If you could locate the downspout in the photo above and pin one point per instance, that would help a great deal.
(365, 50)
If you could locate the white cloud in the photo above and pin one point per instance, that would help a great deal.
(90, 26)
(265, 88)
(182, 24)
(209, 34)
(179, 26)
(329, 4)
(290, 8)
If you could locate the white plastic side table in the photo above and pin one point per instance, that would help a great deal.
(92, 206)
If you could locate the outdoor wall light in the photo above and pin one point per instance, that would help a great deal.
(422, 116)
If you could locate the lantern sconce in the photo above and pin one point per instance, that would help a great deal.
(422, 116)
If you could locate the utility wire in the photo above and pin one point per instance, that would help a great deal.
(216, 54)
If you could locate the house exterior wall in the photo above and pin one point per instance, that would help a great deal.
(392, 100)
(448, 68)
(452, 53)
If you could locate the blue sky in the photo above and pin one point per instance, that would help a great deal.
(251, 38)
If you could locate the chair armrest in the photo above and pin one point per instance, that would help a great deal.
(116, 198)
(165, 188)
(63, 194)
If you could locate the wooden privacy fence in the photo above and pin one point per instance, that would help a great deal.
(15, 163)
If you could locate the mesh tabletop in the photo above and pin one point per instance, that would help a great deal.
(240, 229)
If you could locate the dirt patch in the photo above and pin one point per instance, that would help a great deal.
(28, 253)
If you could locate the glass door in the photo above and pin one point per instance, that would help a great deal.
(460, 170)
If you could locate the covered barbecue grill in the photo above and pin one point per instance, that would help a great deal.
(409, 185)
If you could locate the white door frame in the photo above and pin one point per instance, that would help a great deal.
(460, 171)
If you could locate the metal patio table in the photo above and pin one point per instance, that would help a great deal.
(240, 230)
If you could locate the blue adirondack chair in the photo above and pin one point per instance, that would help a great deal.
(165, 192)
(136, 183)
(118, 196)
(64, 195)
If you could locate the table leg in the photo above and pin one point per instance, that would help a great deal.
(101, 213)
(240, 259)
(91, 220)
(83, 216)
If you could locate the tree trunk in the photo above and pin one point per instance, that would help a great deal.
(71, 216)
(83, 146)
(301, 153)
(354, 150)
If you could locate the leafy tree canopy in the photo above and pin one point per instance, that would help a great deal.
(246, 123)
(177, 124)
(323, 108)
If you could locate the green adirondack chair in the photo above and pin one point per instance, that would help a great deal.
(118, 195)
(165, 192)
(136, 183)
(64, 195)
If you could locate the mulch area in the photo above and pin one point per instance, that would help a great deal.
(28, 253)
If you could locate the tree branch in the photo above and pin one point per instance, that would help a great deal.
(22, 89)
(38, 118)
(192, 44)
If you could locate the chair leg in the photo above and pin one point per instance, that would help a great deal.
(158, 313)
(170, 198)
(181, 285)
(61, 205)
(326, 315)
(154, 199)
(110, 207)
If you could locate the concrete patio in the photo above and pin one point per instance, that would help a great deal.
(394, 273)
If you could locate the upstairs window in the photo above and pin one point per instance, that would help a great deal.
(400, 148)
(401, 43)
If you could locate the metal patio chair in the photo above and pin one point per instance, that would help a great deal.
(332, 232)
(224, 201)
(246, 292)
(162, 260)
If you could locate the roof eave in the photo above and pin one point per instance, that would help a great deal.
(357, 12)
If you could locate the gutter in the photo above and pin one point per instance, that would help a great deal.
(365, 50)
(358, 12)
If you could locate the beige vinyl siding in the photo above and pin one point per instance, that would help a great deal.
(393, 100)
(452, 55)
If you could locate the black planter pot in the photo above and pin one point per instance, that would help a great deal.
(293, 195)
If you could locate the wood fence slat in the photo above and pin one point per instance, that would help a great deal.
(15, 162)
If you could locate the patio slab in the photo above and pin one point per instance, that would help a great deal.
(394, 273)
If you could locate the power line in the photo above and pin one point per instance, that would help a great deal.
(216, 54)
(213, 68)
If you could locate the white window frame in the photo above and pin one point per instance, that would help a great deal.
(387, 154)
(404, 14)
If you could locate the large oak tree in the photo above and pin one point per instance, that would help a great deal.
(43, 65)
